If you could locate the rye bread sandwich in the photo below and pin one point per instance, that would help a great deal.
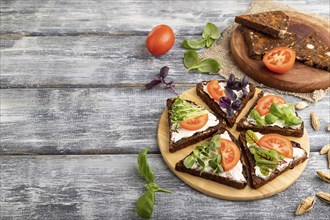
(313, 51)
(271, 114)
(258, 43)
(189, 123)
(273, 23)
(226, 98)
(211, 160)
(269, 155)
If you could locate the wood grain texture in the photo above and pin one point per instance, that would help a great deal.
(124, 17)
(94, 61)
(214, 189)
(298, 79)
(108, 120)
(107, 187)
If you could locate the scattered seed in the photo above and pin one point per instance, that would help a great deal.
(315, 121)
(325, 176)
(325, 149)
(305, 205)
(325, 197)
(301, 105)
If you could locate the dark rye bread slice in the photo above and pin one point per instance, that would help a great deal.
(255, 181)
(258, 43)
(274, 23)
(214, 106)
(223, 180)
(244, 124)
(197, 137)
(313, 51)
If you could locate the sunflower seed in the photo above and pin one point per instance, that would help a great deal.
(305, 205)
(325, 149)
(325, 197)
(324, 176)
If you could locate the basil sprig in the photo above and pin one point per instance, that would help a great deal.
(206, 155)
(255, 115)
(192, 61)
(266, 160)
(210, 34)
(285, 112)
(145, 203)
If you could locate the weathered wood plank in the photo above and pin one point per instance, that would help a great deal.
(108, 120)
(86, 62)
(106, 187)
(115, 17)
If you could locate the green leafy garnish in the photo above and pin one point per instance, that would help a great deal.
(251, 137)
(182, 110)
(206, 155)
(270, 118)
(255, 115)
(209, 35)
(145, 203)
(192, 62)
(285, 112)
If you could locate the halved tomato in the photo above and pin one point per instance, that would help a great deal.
(280, 59)
(214, 89)
(196, 123)
(277, 142)
(230, 154)
(263, 105)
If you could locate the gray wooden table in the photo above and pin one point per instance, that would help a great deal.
(74, 112)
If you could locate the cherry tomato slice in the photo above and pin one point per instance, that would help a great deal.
(280, 59)
(214, 89)
(277, 142)
(230, 154)
(195, 123)
(263, 105)
(160, 40)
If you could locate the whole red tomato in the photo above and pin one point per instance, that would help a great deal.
(160, 40)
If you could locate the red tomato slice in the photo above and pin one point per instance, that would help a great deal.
(277, 142)
(263, 105)
(280, 59)
(195, 123)
(160, 40)
(230, 154)
(214, 89)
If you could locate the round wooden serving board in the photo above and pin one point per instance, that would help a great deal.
(216, 189)
(301, 78)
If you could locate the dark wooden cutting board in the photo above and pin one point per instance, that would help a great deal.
(301, 78)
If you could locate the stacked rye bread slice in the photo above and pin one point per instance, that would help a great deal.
(221, 157)
(265, 31)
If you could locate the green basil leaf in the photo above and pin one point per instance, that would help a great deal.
(211, 31)
(270, 118)
(145, 204)
(143, 165)
(251, 137)
(154, 187)
(208, 66)
(189, 162)
(288, 109)
(190, 59)
(276, 110)
(255, 114)
(209, 42)
(194, 44)
(292, 120)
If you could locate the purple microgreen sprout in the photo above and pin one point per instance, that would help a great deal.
(224, 102)
(245, 81)
(161, 79)
(230, 112)
(236, 104)
(230, 93)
